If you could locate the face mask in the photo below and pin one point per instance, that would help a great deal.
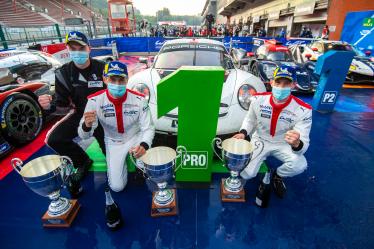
(79, 57)
(116, 90)
(281, 93)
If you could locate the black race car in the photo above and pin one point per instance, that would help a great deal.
(24, 75)
(267, 57)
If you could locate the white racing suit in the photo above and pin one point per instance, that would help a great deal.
(127, 122)
(268, 122)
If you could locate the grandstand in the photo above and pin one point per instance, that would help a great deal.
(31, 13)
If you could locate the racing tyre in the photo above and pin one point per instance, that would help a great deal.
(21, 118)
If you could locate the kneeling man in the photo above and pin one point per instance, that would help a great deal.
(283, 123)
(128, 127)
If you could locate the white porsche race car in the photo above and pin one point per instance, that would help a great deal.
(362, 66)
(237, 89)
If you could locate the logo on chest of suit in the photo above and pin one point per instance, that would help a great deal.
(287, 119)
(130, 112)
(108, 110)
(266, 111)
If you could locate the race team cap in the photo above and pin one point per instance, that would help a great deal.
(284, 72)
(77, 37)
(115, 68)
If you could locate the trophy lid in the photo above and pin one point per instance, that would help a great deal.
(237, 146)
(41, 166)
(159, 155)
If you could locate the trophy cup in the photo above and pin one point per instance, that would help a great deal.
(45, 176)
(158, 164)
(236, 154)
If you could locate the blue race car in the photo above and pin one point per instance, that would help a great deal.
(267, 57)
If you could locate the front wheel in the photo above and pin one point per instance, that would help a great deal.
(21, 118)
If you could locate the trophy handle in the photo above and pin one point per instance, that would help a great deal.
(218, 142)
(17, 164)
(138, 163)
(67, 167)
(257, 145)
(180, 151)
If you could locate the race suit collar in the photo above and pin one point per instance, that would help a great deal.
(280, 106)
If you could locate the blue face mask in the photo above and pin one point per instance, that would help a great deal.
(281, 93)
(116, 91)
(79, 57)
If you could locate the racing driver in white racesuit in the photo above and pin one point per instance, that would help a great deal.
(282, 122)
(128, 128)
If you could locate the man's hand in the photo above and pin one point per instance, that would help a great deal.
(239, 136)
(137, 151)
(89, 118)
(292, 137)
(45, 101)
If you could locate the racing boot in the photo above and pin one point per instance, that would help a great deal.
(112, 212)
(263, 192)
(278, 185)
(82, 170)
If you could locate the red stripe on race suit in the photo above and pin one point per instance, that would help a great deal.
(277, 109)
(118, 104)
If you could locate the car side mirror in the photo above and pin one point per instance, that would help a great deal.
(308, 56)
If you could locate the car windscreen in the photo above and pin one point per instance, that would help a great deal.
(174, 56)
(358, 51)
(279, 56)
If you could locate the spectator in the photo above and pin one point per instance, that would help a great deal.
(325, 32)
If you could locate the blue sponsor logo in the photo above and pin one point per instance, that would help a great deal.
(4, 147)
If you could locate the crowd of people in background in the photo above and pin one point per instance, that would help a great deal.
(210, 29)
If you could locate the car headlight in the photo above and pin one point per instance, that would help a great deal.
(352, 67)
(143, 89)
(269, 70)
(245, 93)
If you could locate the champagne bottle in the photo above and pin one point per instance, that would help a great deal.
(112, 212)
(263, 192)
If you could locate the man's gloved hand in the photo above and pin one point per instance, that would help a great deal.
(292, 137)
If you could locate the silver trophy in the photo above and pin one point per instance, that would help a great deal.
(159, 165)
(45, 176)
(236, 154)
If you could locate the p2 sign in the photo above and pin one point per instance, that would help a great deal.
(329, 97)
(332, 67)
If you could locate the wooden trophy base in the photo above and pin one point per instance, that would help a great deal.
(64, 220)
(227, 196)
(167, 210)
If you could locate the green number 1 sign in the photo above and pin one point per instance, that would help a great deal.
(196, 91)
